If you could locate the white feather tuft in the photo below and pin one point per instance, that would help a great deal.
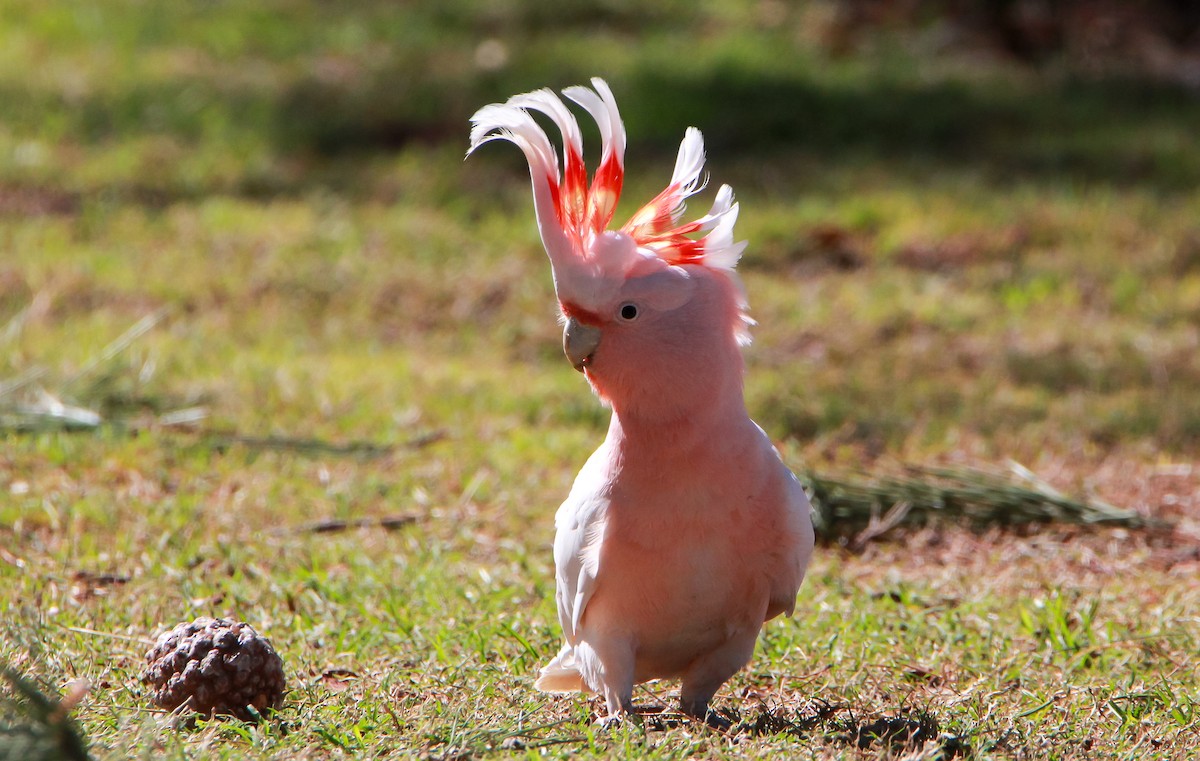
(505, 122)
(688, 167)
(722, 206)
(548, 103)
(720, 250)
(603, 107)
(562, 674)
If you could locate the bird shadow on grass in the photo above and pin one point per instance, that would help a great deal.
(839, 725)
(899, 732)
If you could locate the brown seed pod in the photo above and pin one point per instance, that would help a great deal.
(215, 666)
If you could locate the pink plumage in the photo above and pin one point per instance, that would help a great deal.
(684, 531)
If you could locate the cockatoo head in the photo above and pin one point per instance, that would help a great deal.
(653, 304)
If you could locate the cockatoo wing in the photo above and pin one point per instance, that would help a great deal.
(785, 587)
(796, 522)
(579, 526)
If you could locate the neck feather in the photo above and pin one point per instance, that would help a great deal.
(691, 422)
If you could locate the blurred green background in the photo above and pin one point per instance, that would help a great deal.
(960, 223)
(195, 98)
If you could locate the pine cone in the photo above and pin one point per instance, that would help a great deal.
(215, 666)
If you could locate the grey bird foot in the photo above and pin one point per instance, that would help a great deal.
(717, 721)
(709, 717)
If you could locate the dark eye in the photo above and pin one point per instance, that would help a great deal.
(629, 311)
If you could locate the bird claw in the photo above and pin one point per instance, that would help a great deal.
(711, 719)
(616, 720)
(612, 721)
(717, 722)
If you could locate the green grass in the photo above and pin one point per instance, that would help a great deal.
(952, 260)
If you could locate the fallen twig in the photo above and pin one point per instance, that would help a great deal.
(319, 446)
(334, 525)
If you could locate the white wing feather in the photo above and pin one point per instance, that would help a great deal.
(579, 525)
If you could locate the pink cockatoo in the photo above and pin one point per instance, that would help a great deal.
(684, 532)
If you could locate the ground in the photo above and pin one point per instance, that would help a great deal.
(324, 358)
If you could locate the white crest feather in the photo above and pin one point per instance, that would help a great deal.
(603, 108)
(688, 166)
(548, 103)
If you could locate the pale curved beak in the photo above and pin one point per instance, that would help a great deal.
(579, 343)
